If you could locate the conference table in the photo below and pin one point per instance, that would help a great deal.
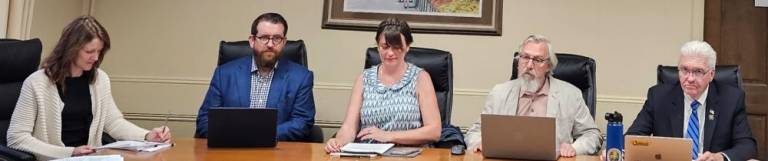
(191, 149)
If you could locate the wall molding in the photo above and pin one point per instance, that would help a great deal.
(158, 80)
(192, 118)
(620, 99)
(335, 86)
(160, 117)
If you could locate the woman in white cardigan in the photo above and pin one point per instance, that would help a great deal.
(64, 107)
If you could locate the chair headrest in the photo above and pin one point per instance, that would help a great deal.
(575, 69)
(294, 50)
(724, 74)
(438, 63)
(19, 59)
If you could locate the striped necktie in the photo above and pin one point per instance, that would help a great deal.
(693, 129)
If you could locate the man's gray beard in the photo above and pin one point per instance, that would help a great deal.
(530, 84)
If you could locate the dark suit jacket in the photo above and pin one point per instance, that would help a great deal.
(663, 112)
(290, 93)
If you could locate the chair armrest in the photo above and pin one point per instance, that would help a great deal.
(15, 154)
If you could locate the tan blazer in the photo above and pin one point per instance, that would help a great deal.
(564, 102)
(36, 121)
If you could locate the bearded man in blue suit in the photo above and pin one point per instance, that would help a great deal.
(263, 80)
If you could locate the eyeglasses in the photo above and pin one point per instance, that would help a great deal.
(526, 59)
(696, 73)
(276, 39)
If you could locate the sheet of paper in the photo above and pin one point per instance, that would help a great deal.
(366, 148)
(342, 154)
(93, 158)
(143, 146)
(761, 3)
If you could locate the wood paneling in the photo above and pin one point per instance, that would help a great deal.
(739, 33)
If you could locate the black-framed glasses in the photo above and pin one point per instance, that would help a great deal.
(276, 39)
(526, 59)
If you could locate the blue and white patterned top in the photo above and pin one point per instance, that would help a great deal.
(394, 108)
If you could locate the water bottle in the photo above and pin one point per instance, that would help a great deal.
(614, 143)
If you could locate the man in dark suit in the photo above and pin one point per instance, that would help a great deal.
(712, 115)
(264, 81)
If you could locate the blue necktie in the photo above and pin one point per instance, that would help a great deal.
(693, 129)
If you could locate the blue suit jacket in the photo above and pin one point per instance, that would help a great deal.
(727, 131)
(290, 93)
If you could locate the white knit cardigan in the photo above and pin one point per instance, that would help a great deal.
(36, 121)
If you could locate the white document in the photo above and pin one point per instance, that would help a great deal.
(761, 3)
(141, 146)
(343, 154)
(366, 148)
(93, 158)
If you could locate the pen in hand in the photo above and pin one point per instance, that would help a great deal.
(165, 126)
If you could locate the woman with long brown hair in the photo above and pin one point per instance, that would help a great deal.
(64, 107)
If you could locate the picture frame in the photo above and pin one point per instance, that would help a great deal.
(468, 17)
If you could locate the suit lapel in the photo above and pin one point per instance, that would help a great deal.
(677, 112)
(243, 79)
(710, 112)
(277, 88)
(553, 108)
(512, 98)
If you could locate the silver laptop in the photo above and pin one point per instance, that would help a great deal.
(651, 148)
(519, 137)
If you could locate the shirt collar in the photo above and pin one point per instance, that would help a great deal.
(543, 91)
(702, 99)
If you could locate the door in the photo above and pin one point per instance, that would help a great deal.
(738, 31)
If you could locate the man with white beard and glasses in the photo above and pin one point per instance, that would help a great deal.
(536, 93)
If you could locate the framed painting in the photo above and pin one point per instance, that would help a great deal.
(473, 17)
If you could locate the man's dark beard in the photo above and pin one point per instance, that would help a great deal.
(261, 62)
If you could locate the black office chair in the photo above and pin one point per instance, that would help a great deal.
(439, 65)
(577, 70)
(295, 51)
(18, 59)
(724, 74)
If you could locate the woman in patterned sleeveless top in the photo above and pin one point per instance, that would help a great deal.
(393, 102)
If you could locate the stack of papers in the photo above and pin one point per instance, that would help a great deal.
(93, 158)
(140, 146)
(366, 148)
(363, 149)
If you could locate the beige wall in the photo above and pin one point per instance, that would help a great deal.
(5, 6)
(49, 19)
(164, 52)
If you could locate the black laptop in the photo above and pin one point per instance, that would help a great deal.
(242, 127)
